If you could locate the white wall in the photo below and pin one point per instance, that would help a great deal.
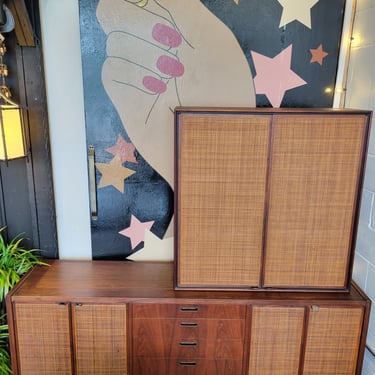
(62, 59)
(361, 94)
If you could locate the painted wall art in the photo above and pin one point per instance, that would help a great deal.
(141, 59)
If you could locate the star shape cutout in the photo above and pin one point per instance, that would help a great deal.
(136, 231)
(154, 249)
(125, 150)
(296, 10)
(113, 174)
(274, 75)
(318, 54)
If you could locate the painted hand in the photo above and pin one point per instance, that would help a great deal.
(167, 53)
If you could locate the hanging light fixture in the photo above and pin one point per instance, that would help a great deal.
(13, 141)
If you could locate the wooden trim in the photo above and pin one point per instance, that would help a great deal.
(360, 184)
(12, 337)
(23, 28)
(39, 166)
(304, 340)
(266, 205)
(365, 327)
(127, 281)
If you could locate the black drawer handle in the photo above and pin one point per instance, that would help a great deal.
(189, 309)
(187, 363)
(188, 324)
(186, 343)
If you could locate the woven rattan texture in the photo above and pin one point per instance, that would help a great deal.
(276, 337)
(221, 195)
(47, 324)
(313, 183)
(109, 323)
(332, 341)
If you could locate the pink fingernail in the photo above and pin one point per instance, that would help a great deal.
(154, 84)
(166, 35)
(170, 66)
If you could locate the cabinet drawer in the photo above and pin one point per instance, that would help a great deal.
(215, 329)
(178, 366)
(187, 310)
(170, 347)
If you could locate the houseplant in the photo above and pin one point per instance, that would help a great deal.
(15, 261)
(5, 367)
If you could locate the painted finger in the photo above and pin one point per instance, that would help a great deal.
(145, 119)
(126, 16)
(127, 73)
(144, 54)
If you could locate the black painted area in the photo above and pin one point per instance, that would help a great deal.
(256, 27)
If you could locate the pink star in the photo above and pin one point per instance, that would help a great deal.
(136, 231)
(274, 75)
(125, 150)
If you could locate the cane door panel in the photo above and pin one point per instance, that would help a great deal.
(47, 327)
(222, 169)
(275, 341)
(333, 339)
(315, 169)
(100, 339)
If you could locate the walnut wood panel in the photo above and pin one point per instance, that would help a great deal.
(100, 339)
(169, 347)
(188, 310)
(43, 339)
(332, 341)
(314, 178)
(222, 169)
(186, 329)
(121, 282)
(275, 340)
(176, 366)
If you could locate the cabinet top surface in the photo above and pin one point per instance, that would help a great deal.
(122, 280)
(262, 110)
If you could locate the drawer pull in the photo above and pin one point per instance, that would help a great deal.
(187, 363)
(188, 324)
(186, 343)
(189, 309)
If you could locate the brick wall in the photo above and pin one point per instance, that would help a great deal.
(361, 94)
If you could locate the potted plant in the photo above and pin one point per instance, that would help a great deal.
(15, 261)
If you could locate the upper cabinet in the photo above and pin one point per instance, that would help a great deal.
(267, 198)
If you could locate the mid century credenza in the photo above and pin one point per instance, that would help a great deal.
(112, 317)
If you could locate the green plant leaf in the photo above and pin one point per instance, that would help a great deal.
(5, 364)
(15, 261)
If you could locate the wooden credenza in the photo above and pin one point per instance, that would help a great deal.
(113, 317)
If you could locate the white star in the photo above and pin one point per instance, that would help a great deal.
(299, 10)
